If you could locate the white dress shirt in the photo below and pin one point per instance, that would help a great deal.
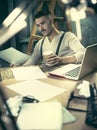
(70, 45)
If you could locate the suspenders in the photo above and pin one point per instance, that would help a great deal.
(42, 46)
(58, 47)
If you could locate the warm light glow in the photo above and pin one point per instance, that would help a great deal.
(13, 24)
(66, 1)
(78, 29)
(19, 24)
(12, 30)
(77, 14)
(12, 16)
(94, 1)
(68, 14)
(16, 20)
(22, 17)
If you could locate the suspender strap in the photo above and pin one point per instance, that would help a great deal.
(58, 47)
(41, 48)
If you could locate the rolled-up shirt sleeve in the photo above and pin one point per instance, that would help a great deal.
(79, 55)
(76, 46)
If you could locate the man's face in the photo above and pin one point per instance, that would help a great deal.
(44, 25)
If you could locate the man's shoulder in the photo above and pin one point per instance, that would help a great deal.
(69, 34)
(40, 41)
(65, 33)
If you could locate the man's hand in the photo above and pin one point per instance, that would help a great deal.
(53, 60)
(14, 65)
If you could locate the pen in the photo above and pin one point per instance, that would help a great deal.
(79, 110)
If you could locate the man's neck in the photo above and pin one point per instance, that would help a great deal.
(53, 33)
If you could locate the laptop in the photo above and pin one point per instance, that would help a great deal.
(78, 71)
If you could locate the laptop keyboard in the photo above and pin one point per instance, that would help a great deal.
(73, 73)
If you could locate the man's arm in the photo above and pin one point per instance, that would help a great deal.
(57, 60)
(67, 59)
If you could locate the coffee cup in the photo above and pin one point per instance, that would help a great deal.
(46, 55)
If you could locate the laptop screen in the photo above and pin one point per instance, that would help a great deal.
(7, 121)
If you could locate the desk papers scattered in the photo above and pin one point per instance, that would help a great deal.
(40, 90)
(28, 73)
(12, 55)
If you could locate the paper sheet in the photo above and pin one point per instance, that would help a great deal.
(40, 116)
(12, 55)
(40, 90)
(27, 73)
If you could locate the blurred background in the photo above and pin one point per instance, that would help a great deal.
(80, 17)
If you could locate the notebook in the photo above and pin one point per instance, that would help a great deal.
(78, 71)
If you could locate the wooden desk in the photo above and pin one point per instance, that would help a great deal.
(79, 124)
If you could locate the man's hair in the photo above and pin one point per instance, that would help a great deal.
(42, 13)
